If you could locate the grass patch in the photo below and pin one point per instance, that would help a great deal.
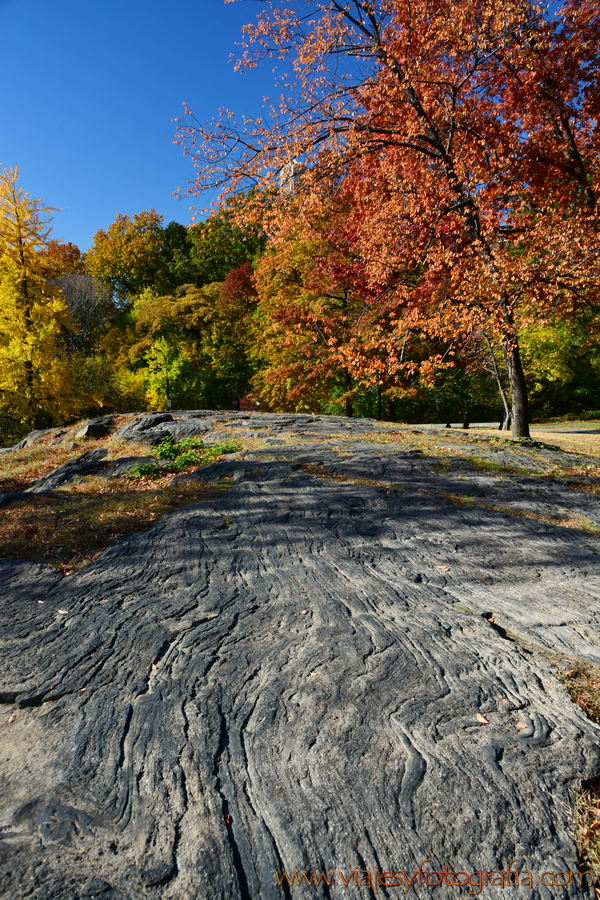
(583, 686)
(584, 690)
(581, 523)
(319, 471)
(76, 525)
(187, 452)
(82, 519)
(21, 468)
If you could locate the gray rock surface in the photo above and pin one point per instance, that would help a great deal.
(34, 436)
(86, 464)
(118, 467)
(132, 430)
(96, 428)
(289, 677)
(182, 428)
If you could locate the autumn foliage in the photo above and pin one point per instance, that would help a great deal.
(454, 147)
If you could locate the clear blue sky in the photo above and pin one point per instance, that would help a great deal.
(89, 92)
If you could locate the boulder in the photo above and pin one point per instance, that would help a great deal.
(86, 464)
(300, 675)
(35, 436)
(96, 428)
(353, 672)
(179, 429)
(137, 426)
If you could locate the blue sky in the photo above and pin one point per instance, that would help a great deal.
(91, 88)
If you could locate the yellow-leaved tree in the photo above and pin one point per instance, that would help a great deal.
(34, 381)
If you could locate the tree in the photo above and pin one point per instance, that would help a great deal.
(134, 254)
(464, 137)
(34, 382)
(91, 307)
(219, 244)
(140, 253)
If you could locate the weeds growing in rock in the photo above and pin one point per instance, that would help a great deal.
(179, 456)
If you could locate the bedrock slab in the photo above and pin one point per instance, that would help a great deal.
(289, 678)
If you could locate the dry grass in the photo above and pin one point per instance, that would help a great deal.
(583, 685)
(20, 468)
(579, 522)
(570, 443)
(79, 522)
(587, 827)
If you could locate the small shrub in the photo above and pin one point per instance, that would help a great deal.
(188, 452)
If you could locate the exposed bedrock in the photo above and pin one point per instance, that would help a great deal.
(282, 680)
(289, 678)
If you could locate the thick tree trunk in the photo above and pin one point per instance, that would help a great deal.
(518, 388)
(390, 409)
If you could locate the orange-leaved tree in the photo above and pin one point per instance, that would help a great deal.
(465, 136)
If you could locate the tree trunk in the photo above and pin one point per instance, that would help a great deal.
(518, 388)
(348, 381)
(390, 409)
(507, 417)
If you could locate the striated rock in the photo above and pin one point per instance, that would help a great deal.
(182, 428)
(137, 426)
(86, 464)
(96, 428)
(304, 675)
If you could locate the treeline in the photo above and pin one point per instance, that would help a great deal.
(149, 306)
(428, 179)
(203, 315)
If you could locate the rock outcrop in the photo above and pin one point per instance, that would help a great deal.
(331, 666)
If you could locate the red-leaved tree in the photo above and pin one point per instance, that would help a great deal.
(463, 136)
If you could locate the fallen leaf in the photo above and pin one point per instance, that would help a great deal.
(12, 718)
(154, 666)
(443, 568)
(227, 819)
(80, 690)
(303, 592)
(63, 611)
(304, 611)
(570, 673)
(313, 673)
(521, 725)
(482, 719)
(41, 601)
